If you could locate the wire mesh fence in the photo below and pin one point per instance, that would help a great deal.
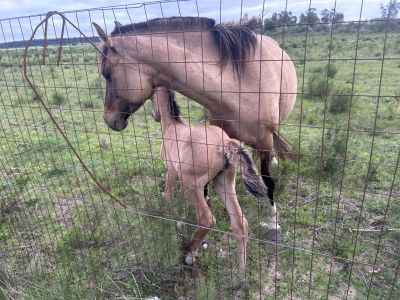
(61, 236)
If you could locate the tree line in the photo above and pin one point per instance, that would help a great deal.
(330, 17)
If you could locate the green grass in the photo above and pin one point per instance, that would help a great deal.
(61, 237)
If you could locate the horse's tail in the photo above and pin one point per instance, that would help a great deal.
(237, 156)
(282, 147)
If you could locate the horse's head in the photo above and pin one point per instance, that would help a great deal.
(128, 84)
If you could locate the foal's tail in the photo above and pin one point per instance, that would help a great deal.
(237, 156)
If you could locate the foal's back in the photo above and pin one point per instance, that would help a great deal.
(195, 152)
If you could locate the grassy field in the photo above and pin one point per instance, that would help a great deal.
(339, 206)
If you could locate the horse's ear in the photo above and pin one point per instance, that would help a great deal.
(118, 25)
(101, 33)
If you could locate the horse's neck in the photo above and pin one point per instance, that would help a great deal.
(176, 65)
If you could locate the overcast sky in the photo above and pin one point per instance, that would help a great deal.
(230, 10)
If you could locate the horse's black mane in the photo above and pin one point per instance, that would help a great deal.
(174, 110)
(166, 24)
(234, 40)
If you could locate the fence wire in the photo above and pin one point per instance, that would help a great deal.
(338, 203)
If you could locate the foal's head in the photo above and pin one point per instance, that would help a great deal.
(128, 85)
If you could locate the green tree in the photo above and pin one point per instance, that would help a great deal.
(281, 19)
(310, 17)
(331, 16)
(390, 10)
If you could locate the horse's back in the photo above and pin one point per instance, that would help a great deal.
(279, 73)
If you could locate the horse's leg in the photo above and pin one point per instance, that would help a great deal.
(204, 218)
(274, 229)
(208, 199)
(225, 188)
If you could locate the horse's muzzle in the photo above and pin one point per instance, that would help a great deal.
(116, 122)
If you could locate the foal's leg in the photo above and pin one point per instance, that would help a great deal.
(225, 187)
(274, 230)
(170, 180)
(204, 218)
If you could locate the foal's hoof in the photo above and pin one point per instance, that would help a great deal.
(274, 235)
(178, 226)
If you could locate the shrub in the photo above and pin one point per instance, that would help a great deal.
(57, 98)
(335, 149)
(339, 99)
(319, 86)
(331, 70)
(87, 103)
(22, 99)
(34, 97)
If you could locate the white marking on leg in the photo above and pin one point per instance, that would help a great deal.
(272, 222)
(190, 258)
(179, 225)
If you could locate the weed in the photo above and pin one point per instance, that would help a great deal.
(22, 180)
(285, 168)
(88, 58)
(340, 99)
(78, 238)
(22, 99)
(58, 99)
(54, 172)
(206, 289)
(312, 118)
(397, 93)
(96, 87)
(35, 97)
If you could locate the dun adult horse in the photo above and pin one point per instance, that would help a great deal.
(245, 80)
(196, 163)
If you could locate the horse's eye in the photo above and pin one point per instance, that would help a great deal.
(107, 76)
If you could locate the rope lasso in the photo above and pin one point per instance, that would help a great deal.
(40, 99)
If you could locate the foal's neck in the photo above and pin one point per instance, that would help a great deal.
(163, 103)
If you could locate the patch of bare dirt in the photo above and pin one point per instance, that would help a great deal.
(64, 209)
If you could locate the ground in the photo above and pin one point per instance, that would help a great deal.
(339, 205)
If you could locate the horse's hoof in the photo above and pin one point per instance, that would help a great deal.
(190, 258)
(204, 245)
(274, 235)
